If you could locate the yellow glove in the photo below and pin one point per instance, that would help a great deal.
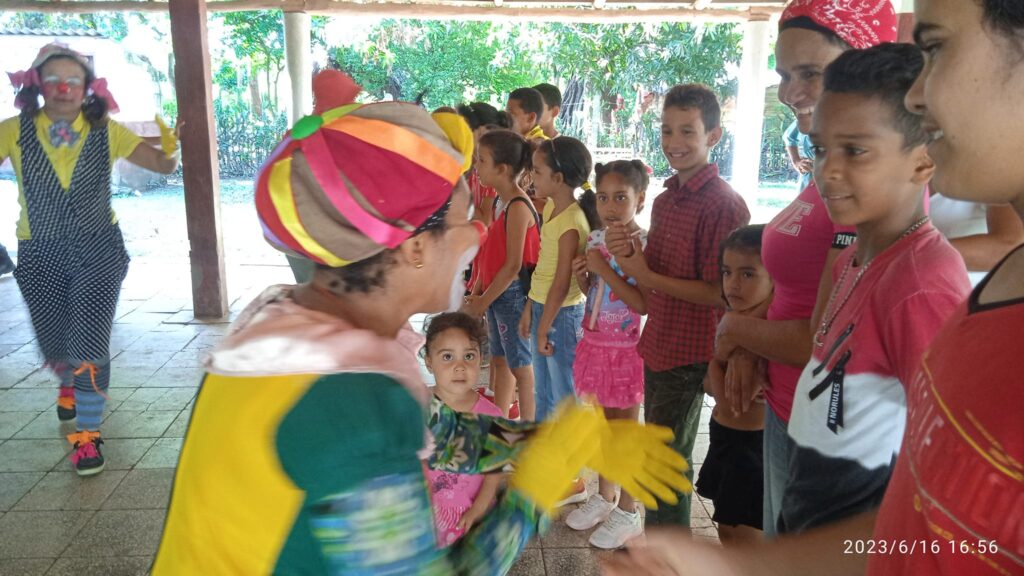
(638, 458)
(168, 139)
(556, 453)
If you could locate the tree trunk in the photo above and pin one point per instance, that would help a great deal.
(254, 93)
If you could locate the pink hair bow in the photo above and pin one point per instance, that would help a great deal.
(99, 88)
(23, 79)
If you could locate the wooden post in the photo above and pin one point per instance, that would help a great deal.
(199, 157)
(297, 50)
(905, 11)
(749, 125)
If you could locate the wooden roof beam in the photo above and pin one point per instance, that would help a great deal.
(521, 11)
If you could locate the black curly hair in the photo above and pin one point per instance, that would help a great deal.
(474, 329)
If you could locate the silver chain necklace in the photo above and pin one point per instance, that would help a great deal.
(826, 323)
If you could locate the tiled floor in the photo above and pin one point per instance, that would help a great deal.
(53, 522)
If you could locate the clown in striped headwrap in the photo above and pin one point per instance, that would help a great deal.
(303, 455)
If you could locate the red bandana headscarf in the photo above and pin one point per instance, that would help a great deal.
(860, 23)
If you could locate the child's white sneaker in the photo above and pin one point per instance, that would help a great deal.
(593, 512)
(619, 528)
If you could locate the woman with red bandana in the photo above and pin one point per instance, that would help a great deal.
(801, 242)
(71, 256)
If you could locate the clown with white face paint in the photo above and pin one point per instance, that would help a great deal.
(316, 392)
(71, 256)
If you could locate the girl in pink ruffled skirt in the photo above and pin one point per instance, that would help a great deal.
(608, 369)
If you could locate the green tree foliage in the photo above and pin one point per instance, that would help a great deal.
(450, 61)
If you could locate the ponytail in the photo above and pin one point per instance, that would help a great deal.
(588, 203)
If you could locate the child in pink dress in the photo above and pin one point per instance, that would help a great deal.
(608, 367)
(452, 355)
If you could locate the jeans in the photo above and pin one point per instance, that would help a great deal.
(553, 374)
(673, 399)
(503, 326)
(776, 469)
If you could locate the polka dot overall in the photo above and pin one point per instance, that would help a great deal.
(70, 271)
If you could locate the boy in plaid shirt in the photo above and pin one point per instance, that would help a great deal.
(679, 272)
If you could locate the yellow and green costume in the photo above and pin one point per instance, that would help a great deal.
(303, 457)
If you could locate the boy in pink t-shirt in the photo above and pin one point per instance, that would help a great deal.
(893, 289)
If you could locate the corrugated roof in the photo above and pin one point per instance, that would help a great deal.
(79, 32)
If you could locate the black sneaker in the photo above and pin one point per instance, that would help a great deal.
(66, 404)
(86, 458)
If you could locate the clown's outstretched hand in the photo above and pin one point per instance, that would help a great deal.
(638, 457)
(168, 137)
(629, 453)
(556, 452)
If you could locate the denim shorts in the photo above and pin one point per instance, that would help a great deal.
(503, 326)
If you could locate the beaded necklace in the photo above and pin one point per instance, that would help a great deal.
(827, 321)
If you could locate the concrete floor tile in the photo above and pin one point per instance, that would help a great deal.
(561, 536)
(25, 566)
(142, 489)
(41, 378)
(126, 424)
(530, 563)
(14, 369)
(46, 425)
(12, 422)
(163, 454)
(188, 358)
(178, 428)
(175, 378)
(69, 491)
(570, 562)
(130, 376)
(124, 453)
(27, 400)
(700, 448)
(159, 399)
(124, 566)
(32, 455)
(39, 534)
(119, 533)
(14, 485)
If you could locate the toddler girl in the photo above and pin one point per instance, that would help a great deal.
(452, 355)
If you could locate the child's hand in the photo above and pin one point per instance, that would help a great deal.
(633, 264)
(618, 241)
(743, 381)
(473, 306)
(544, 346)
(524, 321)
(579, 266)
(469, 518)
(596, 262)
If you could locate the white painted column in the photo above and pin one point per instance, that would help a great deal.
(298, 59)
(749, 125)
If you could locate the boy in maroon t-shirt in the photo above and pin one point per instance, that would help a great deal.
(679, 272)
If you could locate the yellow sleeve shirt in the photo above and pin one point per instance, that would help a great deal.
(122, 143)
(572, 218)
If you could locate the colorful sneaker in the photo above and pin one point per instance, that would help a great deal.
(86, 458)
(593, 512)
(619, 528)
(577, 494)
(66, 403)
(513, 411)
